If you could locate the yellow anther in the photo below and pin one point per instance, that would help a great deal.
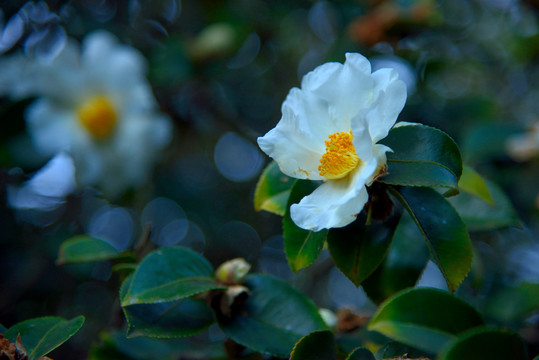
(340, 157)
(98, 116)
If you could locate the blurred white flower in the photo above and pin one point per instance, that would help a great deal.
(523, 147)
(46, 190)
(97, 106)
(329, 131)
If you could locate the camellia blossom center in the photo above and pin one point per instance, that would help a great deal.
(340, 157)
(98, 116)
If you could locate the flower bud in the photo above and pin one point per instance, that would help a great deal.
(328, 316)
(232, 272)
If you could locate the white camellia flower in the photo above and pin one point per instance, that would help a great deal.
(329, 131)
(95, 105)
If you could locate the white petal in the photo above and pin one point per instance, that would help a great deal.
(109, 65)
(47, 188)
(297, 142)
(89, 165)
(379, 152)
(97, 45)
(22, 76)
(52, 127)
(363, 142)
(335, 203)
(132, 98)
(348, 88)
(390, 95)
(56, 178)
(24, 198)
(406, 123)
(320, 76)
(315, 116)
(291, 152)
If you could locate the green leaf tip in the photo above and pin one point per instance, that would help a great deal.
(42, 335)
(472, 183)
(444, 231)
(425, 318)
(302, 247)
(169, 274)
(422, 156)
(272, 190)
(84, 248)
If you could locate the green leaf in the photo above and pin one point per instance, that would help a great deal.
(168, 319)
(42, 335)
(422, 156)
(116, 346)
(483, 141)
(486, 344)
(395, 350)
(318, 345)
(126, 268)
(272, 190)
(2, 329)
(360, 353)
(479, 215)
(170, 274)
(358, 249)
(403, 264)
(302, 247)
(513, 303)
(84, 248)
(445, 233)
(424, 318)
(172, 319)
(273, 319)
(472, 183)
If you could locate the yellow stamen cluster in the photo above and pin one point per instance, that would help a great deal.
(98, 116)
(340, 157)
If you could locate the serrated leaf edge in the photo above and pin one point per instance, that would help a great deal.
(452, 286)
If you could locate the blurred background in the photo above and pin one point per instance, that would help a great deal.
(220, 70)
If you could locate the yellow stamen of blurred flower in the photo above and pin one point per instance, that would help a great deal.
(98, 116)
(340, 157)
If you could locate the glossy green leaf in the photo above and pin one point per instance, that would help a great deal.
(273, 319)
(407, 257)
(42, 335)
(472, 183)
(2, 329)
(360, 353)
(422, 156)
(318, 345)
(445, 233)
(424, 318)
(84, 248)
(272, 190)
(486, 344)
(302, 247)
(479, 215)
(358, 249)
(170, 274)
(167, 319)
